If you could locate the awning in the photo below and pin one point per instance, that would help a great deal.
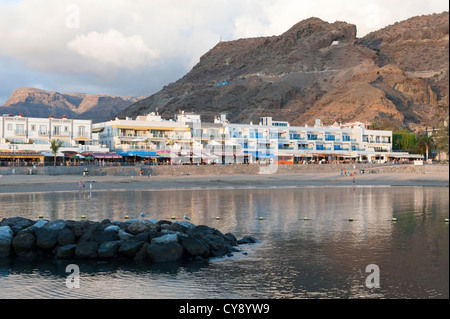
(415, 156)
(103, 155)
(140, 154)
(23, 155)
(50, 154)
(77, 156)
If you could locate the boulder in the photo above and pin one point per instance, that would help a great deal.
(112, 228)
(123, 235)
(142, 253)
(108, 249)
(89, 232)
(175, 227)
(6, 237)
(16, 223)
(217, 244)
(231, 239)
(140, 226)
(185, 223)
(86, 250)
(66, 251)
(195, 247)
(55, 225)
(46, 238)
(23, 243)
(247, 240)
(165, 239)
(102, 236)
(66, 237)
(171, 251)
(130, 247)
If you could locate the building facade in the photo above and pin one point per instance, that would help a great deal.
(223, 142)
(31, 137)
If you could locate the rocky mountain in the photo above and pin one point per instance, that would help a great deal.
(316, 69)
(34, 102)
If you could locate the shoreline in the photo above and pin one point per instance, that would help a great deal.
(41, 183)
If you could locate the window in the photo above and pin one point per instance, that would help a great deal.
(43, 129)
(20, 129)
(33, 127)
(9, 127)
(56, 130)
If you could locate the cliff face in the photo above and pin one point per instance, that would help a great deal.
(33, 102)
(319, 69)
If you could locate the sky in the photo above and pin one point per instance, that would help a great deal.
(135, 47)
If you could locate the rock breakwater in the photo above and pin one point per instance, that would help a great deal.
(138, 239)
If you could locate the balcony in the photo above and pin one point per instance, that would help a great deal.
(61, 134)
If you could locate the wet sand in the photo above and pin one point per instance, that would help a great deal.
(43, 183)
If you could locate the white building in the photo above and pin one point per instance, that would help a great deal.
(225, 142)
(35, 134)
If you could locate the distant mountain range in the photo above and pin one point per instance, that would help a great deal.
(397, 75)
(33, 102)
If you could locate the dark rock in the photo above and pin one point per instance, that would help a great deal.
(46, 238)
(24, 243)
(130, 247)
(6, 237)
(106, 222)
(195, 246)
(142, 253)
(144, 236)
(218, 245)
(231, 239)
(89, 232)
(66, 237)
(88, 240)
(202, 230)
(176, 227)
(86, 250)
(108, 249)
(81, 227)
(31, 229)
(140, 226)
(247, 240)
(102, 236)
(66, 251)
(16, 223)
(163, 222)
(166, 252)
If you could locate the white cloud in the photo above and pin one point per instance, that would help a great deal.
(112, 47)
(103, 42)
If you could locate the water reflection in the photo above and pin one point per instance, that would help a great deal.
(321, 257)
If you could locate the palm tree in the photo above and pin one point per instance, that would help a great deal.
(54, 147)
(424, 143)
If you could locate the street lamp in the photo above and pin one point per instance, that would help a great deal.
(13, 146)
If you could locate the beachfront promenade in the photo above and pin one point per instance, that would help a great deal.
(230, 169)
(46, 179)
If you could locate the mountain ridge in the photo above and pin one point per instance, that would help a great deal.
(319, 69)
(35, 102)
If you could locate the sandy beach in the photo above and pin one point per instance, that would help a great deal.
(42, 183)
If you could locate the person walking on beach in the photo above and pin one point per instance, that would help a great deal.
(354, 183)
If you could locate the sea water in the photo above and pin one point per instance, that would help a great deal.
(314, 243)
